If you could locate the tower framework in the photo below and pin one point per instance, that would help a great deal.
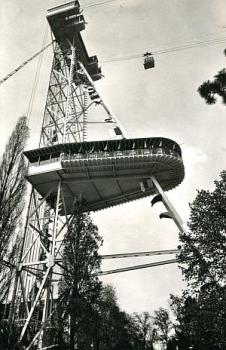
(66, 168)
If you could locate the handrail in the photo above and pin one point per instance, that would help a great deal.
(117, 154)
(90, 147)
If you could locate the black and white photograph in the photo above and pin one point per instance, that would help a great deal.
(112, 175)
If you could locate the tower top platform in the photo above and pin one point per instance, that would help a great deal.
(106, 173)
(66, 23)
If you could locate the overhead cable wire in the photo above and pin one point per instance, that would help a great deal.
(174, 49)
(189, 45)
(123, 58)
(99, 3)
(193, 40)
(24, 64)
(169, 50)
(195, 44)
(35, 83)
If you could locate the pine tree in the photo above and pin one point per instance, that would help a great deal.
(80, 282)
(209, 90)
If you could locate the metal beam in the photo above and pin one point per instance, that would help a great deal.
(137, 267)
(175, 216)
(138, 254)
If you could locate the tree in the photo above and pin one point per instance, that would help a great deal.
(203, 250)
(210, 89)
(112, 324)
(163, 326)
(142, 331)
(12, 191)
(200, 319)
(117, 330)
(200, 312)
(80, 283)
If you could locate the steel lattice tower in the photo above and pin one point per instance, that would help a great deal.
(71, 93)
(67, 167)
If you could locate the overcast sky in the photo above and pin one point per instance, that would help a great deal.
(158, 102)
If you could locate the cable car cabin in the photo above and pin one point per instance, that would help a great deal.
(148, 60)
(117, 131)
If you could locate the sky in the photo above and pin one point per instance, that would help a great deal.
(158, 102)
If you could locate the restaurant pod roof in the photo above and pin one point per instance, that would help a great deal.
(105, 173)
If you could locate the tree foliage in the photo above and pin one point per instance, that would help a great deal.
(112, 324)
(142, 330)
(118, 330)
(163, 326)
(201, 319)
(200, 312)
(89, 316)
(79, 283)
(204, 247)
(12, 191)
(209, 90)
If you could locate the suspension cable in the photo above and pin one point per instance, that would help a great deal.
(23, 64)
(36, 78)
(99, 3)
(173, 49)
(183, 47)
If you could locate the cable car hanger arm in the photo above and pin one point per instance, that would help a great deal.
(106, 107)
